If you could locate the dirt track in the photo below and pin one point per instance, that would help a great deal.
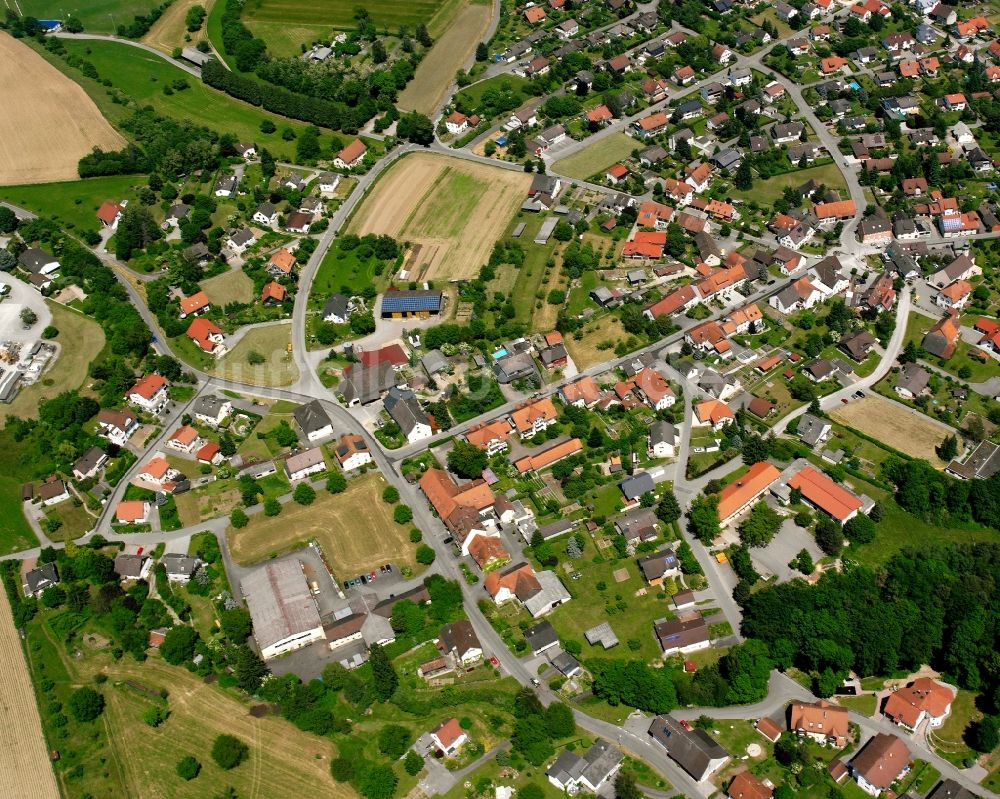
(454, 209)
(24, 762)
(50, 122)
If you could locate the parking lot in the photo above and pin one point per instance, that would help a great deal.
(21, 296)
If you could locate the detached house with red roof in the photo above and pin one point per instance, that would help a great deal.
(922, 700)
(449, 736)
(533, 417)
(150, 393)
(353, 154)
(207, 336)
(196, 304)
(955, 295)
(881, 761)
(942, 339)
(185, 439)
(713, 413)
(110, 214)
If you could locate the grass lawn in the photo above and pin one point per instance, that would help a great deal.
(75, 520)
(75, 202)
(531, 275)
(596, 157)
(143, 75)
(864, 704)
(15, 532)
(231, 286)
(784, 30)
(97, 16)
(948, 739)
(273, 343)
(592, 347)
(592, 605)
(470, 98)
(342, 270)
(80, 340)
(218, 498)
(765, 192)
(355, 530)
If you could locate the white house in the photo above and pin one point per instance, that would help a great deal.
(117, 426)
(663, 440)
(150, 393)
(305, 463)
(266, 214)
(449, 736)
(570, 772)
(211, 410)
(796, 296)
(352, 452)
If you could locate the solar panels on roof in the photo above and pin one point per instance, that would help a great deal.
(403, 301)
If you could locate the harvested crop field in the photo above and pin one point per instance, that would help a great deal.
(355, 529)
(596, 157)
(24, 761)
(901, 428)
(448, 55)
(455, 210)
(56, 123)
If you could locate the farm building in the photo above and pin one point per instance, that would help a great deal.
(407, 304)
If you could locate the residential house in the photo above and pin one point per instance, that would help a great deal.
(185, 439)
(942, 339)
(533, 417)
(211, 410)
(266, 214)
(240, 241)
(116, 426)
(663, 440)
(352, 452)
(352, 155)
(403, 408)
(659, 566)
(40, 578)
(490, 436)
(922, 700)
(813, 430)
(53, 491)
(150, 393)
(746, 786)
(882, 761)
(306, 463)
(593, 770)
(207, 336)
(180, 568)
(225, 186)
(713, 413)
(90, 463)
(39, 262)
(821, 721)
(694, 750)
(954, 295)
(337, 309)
(459, 641)
(796, 296)
(858, 345)
(313, 421)
(912, 381)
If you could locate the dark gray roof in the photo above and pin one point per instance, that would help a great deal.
(653, 566)
(266, 209)
(89, 460)
(366, 384)
(811, 428)
(34, 259)
(661, 431)
(128, 565)
(336, 305)
(177, 563)
(637, 485)
(949, 789)
(692, 749)
(208, 405)
(311, 417)
(402, 406)
(242, 237)
(41, 578)
(434, 362)
(541, 636)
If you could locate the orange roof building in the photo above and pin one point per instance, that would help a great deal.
(446, 497)
(534, 15)
(534, 416)
(208, 453)
(148, 387)
(540, 460)
(841, 209)
(131, 511)
(273, 292)
(196, 302)
(739, 495)
(820, 721)
(282, 261)
(205, 333)
(490, 436)
(922, 698)
(600, 115)
(821, 492)
(518, 581)
(746, 786)
(713, 412)
(184, 436)
(157, 468)
(352, 153)
(584, 391)
(488, 551)
(108, 212)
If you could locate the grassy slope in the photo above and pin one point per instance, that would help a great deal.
(340, 13)
(142, 76)
(597, 157)
(75, 202)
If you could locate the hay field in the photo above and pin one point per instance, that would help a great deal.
(355, 530)
(450, 52)
(454, 209)
(908, 431)
(595, 158)
(24, 761)
(51, 123)
(340, 13)
(283, 760)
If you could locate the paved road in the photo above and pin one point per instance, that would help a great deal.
(107, 37)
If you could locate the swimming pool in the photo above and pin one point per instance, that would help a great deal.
(500, 353)
(854, 85)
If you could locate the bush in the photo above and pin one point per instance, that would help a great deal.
(86, 704)
(239, 519)
(178, 644)
(402, 514)
(50, 332)
(390, 494)
(155, 716)
(304, 494)
(272, 507)
(228, 751)
(425, 555)
(336, 483)
(416, 536)
(188, 768)
(412, 763)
